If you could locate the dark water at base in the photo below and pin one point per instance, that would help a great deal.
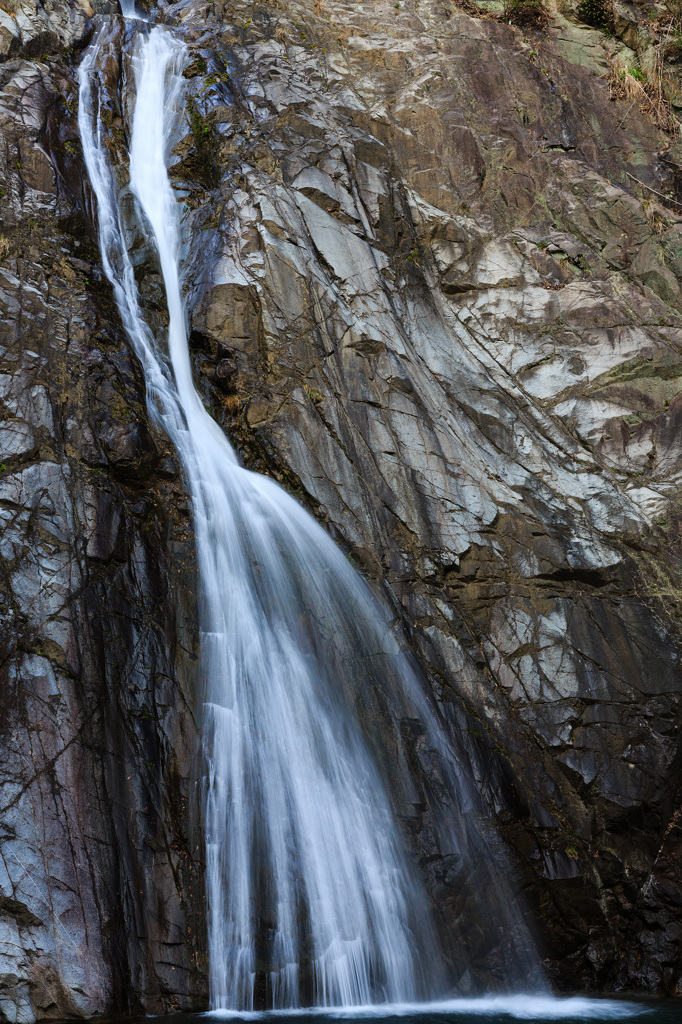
(488, 1010)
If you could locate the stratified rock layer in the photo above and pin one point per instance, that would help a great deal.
(429, 294)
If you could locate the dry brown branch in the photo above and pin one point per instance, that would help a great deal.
(667, 199)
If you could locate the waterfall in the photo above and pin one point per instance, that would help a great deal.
(313, 893)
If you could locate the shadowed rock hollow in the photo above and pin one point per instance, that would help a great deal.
(431, 293)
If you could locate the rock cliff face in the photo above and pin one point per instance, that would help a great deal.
(97, 889)
(435, 289)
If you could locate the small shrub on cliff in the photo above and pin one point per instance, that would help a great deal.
(205, 146)
(231, 403)
(672, 47)
(635, 87)
(673, 13)
(597, 13)
(526, 13)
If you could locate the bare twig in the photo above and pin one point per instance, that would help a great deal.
(662, 196)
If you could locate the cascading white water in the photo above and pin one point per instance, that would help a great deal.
(309, 884)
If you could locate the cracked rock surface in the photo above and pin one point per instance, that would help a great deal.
(432, 292)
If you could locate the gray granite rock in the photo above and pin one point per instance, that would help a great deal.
(428, 297)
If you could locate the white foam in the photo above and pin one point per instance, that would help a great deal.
(519, 1007)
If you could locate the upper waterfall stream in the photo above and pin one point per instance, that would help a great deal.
(313, 894)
